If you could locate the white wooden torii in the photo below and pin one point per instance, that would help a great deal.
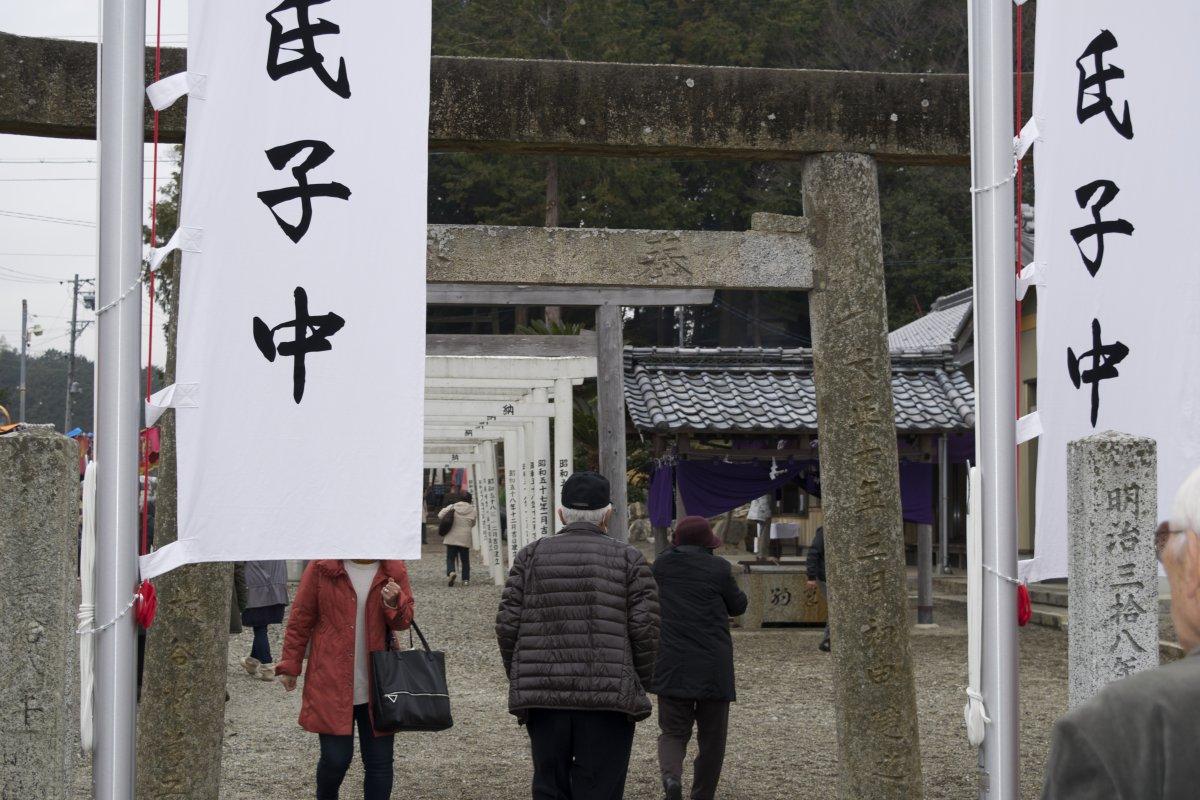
(473, 404)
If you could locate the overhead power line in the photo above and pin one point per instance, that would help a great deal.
(56, 160)
(82, 223)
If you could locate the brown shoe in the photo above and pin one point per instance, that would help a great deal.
(251, 666)
(266, 672)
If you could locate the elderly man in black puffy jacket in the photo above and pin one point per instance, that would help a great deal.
(694, 674)
(578, 631)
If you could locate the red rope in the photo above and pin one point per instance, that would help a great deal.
(145, 539)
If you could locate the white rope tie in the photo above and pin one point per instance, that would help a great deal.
(984, 189)
(87, 612)
(1001, 575)
(109, 307)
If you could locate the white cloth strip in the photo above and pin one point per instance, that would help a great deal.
(1030, 275)
(975, 713)
(177, 395)
(167, 558)
(187, 239)
(1029, 427)
(163, 93)
(1029, 135)
(87, 610)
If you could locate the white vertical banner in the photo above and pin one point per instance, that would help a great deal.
(1117, 173)
(302, 298)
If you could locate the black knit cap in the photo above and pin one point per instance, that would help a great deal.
(586, 491)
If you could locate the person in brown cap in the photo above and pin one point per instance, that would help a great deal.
(578, 630)
(693, 676)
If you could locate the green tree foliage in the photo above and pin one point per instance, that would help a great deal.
(46, 387)
(46, 382)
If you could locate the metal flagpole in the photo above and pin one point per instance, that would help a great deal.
(118, 408)
(992, 165)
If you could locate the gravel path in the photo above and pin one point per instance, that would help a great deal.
(781, 741)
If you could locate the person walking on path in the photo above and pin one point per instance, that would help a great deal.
(578, 632)
(693, 676)
(814, 567)
(1137, 737)
(345, 610)
(266, 598)
(458, 538)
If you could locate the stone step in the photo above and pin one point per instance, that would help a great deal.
(1046, 594)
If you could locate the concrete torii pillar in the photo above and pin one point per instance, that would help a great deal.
(486, 495)
(564, 440)
(489, 511)
(481, 477)
(542, 474)
(513, 492)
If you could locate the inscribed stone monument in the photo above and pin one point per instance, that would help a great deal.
(39, 524)
(1112, 494)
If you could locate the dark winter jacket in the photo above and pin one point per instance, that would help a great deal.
(237, 603)
(698, 596)
(266, 583)
(578, 625)
(815, 566)
(1135, 740)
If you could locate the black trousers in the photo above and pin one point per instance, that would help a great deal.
(675, 719)
(463, 556)
(338, 751)
(579, 755)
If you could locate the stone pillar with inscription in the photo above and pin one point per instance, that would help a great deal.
(1112, 495)
(874, 692)
(39, 535)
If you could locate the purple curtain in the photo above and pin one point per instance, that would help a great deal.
(710, 488)
(961, 448)
(661, 501)
(916, 492)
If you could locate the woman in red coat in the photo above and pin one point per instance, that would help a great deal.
(345, 610)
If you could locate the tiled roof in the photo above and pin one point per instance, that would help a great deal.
(948, 316)
(938, 330)
(753, 390)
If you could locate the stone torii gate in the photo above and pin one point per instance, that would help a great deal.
(839, 125)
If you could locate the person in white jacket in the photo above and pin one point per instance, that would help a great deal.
(458, 538)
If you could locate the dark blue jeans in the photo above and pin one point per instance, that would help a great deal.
(261, 649)
(338, 751)
(463, 556)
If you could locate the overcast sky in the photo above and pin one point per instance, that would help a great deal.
(57, 178)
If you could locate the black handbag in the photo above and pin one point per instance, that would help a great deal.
(410, 691)
(446, 523)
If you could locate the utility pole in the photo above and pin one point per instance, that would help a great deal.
(71, 355)
(24, 352)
